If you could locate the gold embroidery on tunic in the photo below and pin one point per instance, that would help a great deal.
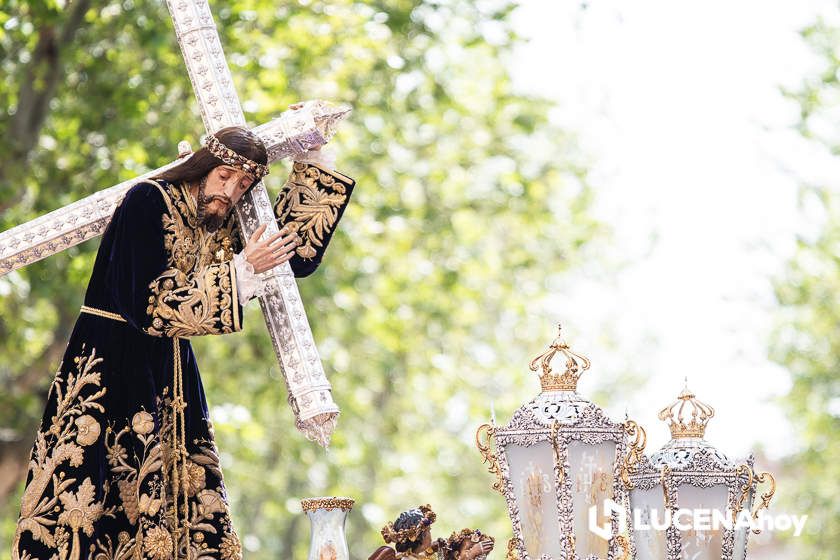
(70, 431)
(309, 203)
(184, 305)
(189, 245)
(196, 294)
(107, 549)
(149, 498)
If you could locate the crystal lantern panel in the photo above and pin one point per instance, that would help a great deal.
(591, 472)
(702, 543)
(649, 506)
(532, 475)
(741, 535)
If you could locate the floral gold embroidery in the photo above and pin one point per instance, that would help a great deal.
(230, 548)
(59, 508)
(149, 506)
(80, 511)
(62, 508)
(128, 497)
(124, 549)
(148, 497)
(139, 480)
(184, 306)
(87, 430)
(210, 502)
(188, 245)
(158, 543)
(71, 429)
(196, 295)
(194, 481)
(309, 203)
(142, 423)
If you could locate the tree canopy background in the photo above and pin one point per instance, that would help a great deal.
(471, 209)
(469, 206)
(807, 342)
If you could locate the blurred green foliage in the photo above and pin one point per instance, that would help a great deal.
(808, 339)
(429, 304)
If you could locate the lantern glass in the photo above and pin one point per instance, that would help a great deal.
(650, 542)
(739, 551)
(591, 471)
(532, 474)
(703, 543)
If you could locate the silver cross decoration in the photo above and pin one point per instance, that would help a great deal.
(310, 125)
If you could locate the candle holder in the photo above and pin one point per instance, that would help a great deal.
(327, 517)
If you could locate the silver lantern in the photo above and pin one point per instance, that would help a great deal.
(685, 479)
(557, 458)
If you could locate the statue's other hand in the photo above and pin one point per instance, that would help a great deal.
(265, 254)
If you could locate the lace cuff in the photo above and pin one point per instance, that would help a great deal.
(248, 284)
(324, 157)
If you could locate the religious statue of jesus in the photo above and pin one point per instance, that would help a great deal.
(124, 463)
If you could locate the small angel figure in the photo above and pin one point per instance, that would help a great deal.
(412, 537)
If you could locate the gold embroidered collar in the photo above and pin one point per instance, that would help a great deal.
(191, 202)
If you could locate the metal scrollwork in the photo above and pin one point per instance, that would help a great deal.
(766, 497)
(663, 478)
(746, 472)
(513, 547)
(624, 543)
(558, 458)
(571, 541)
(484, 443)
(635, 452)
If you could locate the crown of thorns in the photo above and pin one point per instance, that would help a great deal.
(391, 535)
(230, 157)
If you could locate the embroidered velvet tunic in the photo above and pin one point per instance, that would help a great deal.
(124, 464)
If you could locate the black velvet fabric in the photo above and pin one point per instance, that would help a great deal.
(102, 480)
(312, 201)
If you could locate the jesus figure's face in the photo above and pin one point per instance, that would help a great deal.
(223, 188)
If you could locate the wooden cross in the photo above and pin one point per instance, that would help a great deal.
(295, 131)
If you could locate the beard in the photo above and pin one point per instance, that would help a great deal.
(211, 221)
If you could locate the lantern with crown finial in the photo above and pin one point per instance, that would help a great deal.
(690, 500)
(558, 457)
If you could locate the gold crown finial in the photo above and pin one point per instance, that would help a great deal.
(575, 366)
(687, 417)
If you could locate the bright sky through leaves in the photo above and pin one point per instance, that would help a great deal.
(696, 167)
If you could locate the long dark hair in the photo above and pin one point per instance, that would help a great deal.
(239, 139)
(407, 520)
